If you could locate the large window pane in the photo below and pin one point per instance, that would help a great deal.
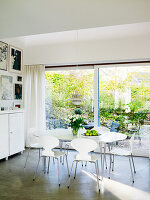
(124, 97)
(60, 85)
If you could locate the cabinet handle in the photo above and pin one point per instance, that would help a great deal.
(11, 132)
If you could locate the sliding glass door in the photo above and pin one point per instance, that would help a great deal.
(124, 98)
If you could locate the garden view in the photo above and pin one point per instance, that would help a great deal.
(60, 85)
(124, 96)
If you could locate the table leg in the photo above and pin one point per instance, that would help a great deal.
(103, 160)
(60, 144)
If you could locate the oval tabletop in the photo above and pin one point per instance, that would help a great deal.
(105, 135)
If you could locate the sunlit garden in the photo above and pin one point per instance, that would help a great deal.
(124, 96)
(60, 86)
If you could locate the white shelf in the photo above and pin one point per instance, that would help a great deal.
(11, 111)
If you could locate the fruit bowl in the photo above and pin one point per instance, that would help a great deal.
(91, 133)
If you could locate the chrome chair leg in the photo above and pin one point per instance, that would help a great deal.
(70, 174)
(66, 150)
(53, 160)
(39, 152)
(44, 165)
(98, 169)
(97, 175)
(60, 144)
(75, 170)
(36, 170)
(58, 172)
(113, 162)
(85, 163)
(67, 165)
(48, 165)
(82, 163)
(27, 157)
(110, 165)
(133, 163)
(63, 161)
(105, 162)
(131, 169)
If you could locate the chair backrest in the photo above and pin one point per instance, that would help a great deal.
(114, 127)
(131, 142)
(48, 143)
(32, 137)
(83, 146)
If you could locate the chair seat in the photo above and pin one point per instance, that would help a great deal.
(35, 145)
(121, 152)
(57, 154)
(93, 158)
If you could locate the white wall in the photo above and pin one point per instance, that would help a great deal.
(132, 47)
(28, 17)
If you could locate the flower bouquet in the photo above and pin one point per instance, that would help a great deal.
(76, 122)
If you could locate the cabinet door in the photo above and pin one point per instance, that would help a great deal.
(4, 137)
(16, 132)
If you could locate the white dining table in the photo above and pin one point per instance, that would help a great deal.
(105, 137)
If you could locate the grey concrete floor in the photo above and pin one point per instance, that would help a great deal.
(16, 183)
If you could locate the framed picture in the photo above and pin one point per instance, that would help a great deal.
(3, 56)
(18, 91)
(6, 87)
(19, 78)
(15, 60)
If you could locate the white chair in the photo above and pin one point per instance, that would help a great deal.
(33, 142)
(48, 143)
(84, 146)
(123, 152)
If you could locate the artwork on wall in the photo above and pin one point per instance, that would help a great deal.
(19, 78)
(15, 60)
(6, 87)
(3, 56)
(18, 91)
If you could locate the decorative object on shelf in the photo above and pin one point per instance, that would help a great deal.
(6, 87)
(3, 55)
(15, 60)
(76, 98)
(76, 122)
(19, 78)
(2, 109)
(17, 105)
(18, 91)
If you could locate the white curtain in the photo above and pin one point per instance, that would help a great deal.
(34, 99)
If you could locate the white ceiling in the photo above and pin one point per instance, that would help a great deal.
(31, 17)
(93, 34)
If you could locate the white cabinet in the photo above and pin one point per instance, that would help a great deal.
(4, 136)
(11, 133)
(16, 133)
